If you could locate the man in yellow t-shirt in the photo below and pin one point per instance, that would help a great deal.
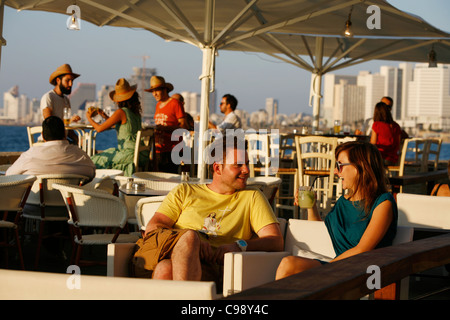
(197, 224)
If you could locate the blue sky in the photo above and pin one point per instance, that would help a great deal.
(38, 42)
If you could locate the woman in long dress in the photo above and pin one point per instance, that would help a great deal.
(127, 121)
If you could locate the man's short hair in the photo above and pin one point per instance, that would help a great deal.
(218, 148)
(231, 100)
(53, 129)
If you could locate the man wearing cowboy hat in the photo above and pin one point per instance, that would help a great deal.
(169, 116)
(54, 101)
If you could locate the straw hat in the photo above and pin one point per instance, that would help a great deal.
(61, 70)
(123, 91)
(159, 82)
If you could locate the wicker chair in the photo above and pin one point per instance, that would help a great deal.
(145, 209)
(95, 209)
(14, 191)
(44, 204)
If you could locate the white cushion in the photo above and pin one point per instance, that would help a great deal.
(300, 252)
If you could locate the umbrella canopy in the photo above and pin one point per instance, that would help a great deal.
(286, 29)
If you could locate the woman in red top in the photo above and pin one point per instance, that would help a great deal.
(386, 134)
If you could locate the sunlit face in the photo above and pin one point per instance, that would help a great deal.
(347, 173)
(234, 173)
(160, 94)
(223, 105)
(65, 83)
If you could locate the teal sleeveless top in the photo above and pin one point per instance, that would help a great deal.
(346, 223)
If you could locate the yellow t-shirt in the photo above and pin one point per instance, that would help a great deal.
(224, 218)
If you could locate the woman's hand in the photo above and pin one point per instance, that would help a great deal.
(75, 118)
(103, 114)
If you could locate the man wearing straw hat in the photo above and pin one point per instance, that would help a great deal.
(169, 116)
(54, 101)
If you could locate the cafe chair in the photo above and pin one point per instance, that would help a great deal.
(287, 171)
(153, 175)
(433, 151)
(34, 134)
(316, 161)
(46, 206)
(145, 140)
(14, 191)
(258, 154)
(268, 185)
(91, 211)
(304, 238)
(105, 180)
(413, 158)
(131, 200)
(145, 209)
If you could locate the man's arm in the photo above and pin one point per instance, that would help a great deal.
(159, 220)
(46, 112)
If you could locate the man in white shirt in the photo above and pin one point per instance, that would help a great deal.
(231, 121)
(55, 155)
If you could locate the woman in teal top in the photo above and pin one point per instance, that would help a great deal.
(363, 219)
(127, 121)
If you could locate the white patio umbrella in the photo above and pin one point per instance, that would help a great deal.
(272, 26)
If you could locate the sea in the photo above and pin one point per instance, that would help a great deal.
(15, 138)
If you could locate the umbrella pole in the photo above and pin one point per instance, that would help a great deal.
(317, 83)
(207, 70)
(2, 41)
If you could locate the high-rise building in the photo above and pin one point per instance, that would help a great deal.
(374, 87)
(329, 96)
(141, 77)
(83, 93)
(348, 99)
(429, 96)
(393, 86)
(272, 109)
(16, 108)
(192, 101)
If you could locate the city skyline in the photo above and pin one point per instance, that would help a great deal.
(38, 42)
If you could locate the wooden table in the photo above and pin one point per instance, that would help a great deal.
(429, 178)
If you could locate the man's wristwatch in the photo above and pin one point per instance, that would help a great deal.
(242, 245)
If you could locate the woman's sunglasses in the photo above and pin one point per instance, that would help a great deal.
(339, 166)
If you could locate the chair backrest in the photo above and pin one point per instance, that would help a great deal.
(145, 140)
(14, 191)
(33, 134)
(145, 209)
(423, 212)
(287, 149)
(42, 192)
(104, 183)
(153, 175)
(101, 173)
(311, 236)
(258, 152)
(404, 234)
(316, 159)
(413, 156)
(268, 186)
(92, 208)
(432, 152)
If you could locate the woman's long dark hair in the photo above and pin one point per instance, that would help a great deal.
(382, 113)
(371, 179)
(133, 104)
